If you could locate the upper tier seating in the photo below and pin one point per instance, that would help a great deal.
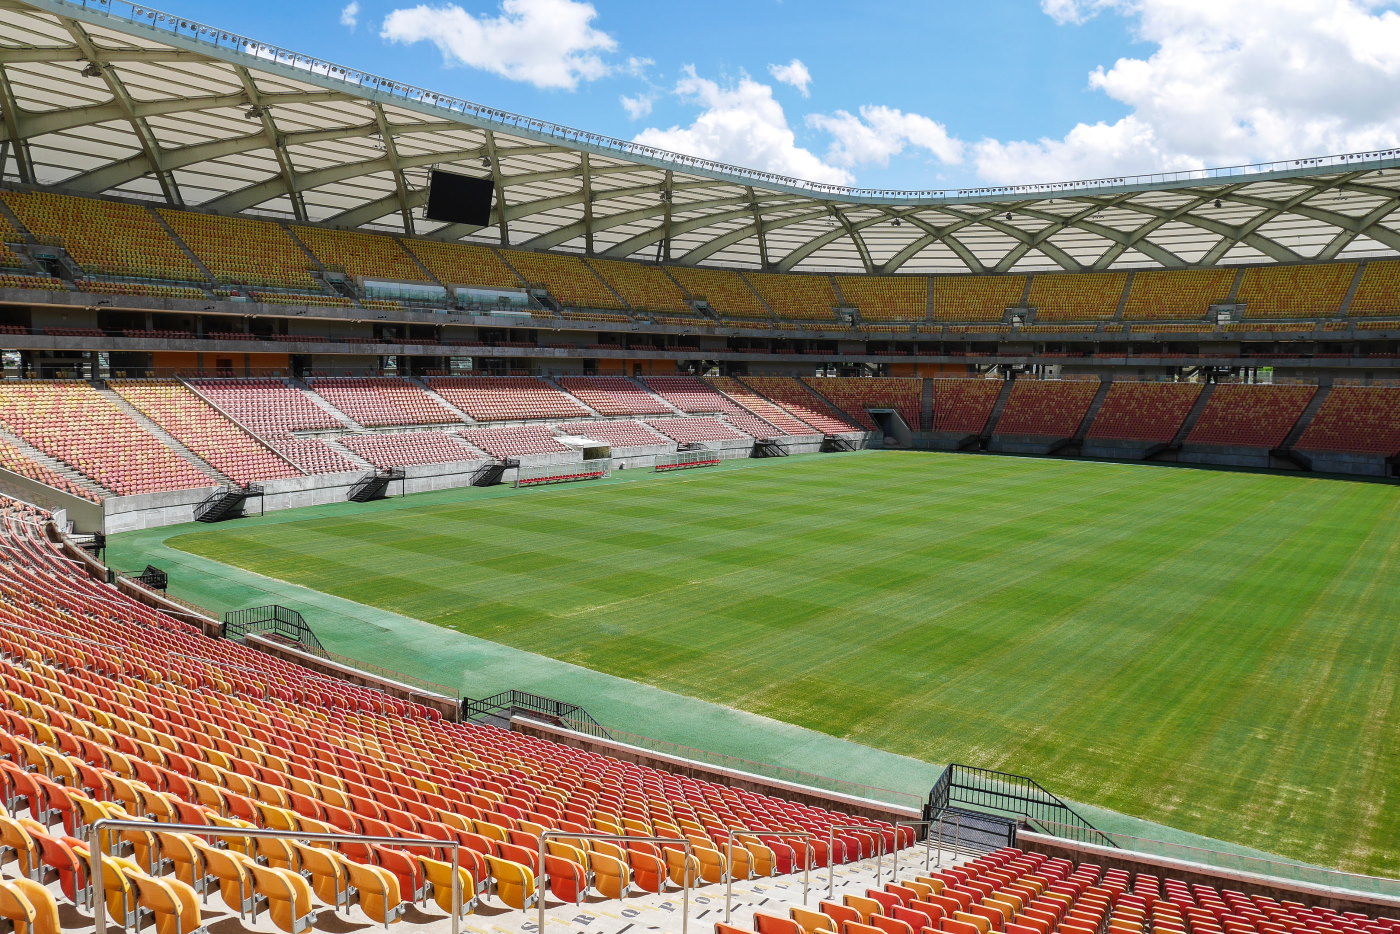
(614, 395)
(691, 430)
(724, 290)
(15, 461)
(1144, 411)
(267, 407)
(8, 257)
(886, 298)
(1295, 291)
(24, 281)
(1378, 292)
(105, 237)
(964, 405)
(784, 421)
(121, 711)
(374, 256)
(645, 287)
(855, 395)
(244, 251)
(694, 395)
(1356, 420)
(1080, 296)
(384, 401)
(103, 287)
(313, 455)
(800, 402)
(1241, 415)
(515, 441)
(568, 278)
(464, 264)
(797, 297)
(1186, 293)
(976, 298)
(618, 434)
(506, 398)
(402, 449)
(204, 430)
(74, 423)
(1046, 408)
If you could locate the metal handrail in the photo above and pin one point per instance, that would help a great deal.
(894, 873)
(95, 853)
(831, 848)
(617, 837)
(729, 861)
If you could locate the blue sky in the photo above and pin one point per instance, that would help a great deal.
(894, 93)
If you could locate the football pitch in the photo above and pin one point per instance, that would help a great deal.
(1217, 651)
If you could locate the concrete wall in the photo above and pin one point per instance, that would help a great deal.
(449, 707)
(1224, 456)
(1236, 880)
(152, 510)
(1366, 465)
(1117, 450)
(85, 515)
(1021, 444)
(747, 781)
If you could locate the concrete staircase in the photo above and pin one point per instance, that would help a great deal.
(54, 464)
(165, 437)
(554, 384)
(335, 445)
(1194, 415)
(423, 385)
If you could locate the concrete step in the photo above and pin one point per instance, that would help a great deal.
(320, 401)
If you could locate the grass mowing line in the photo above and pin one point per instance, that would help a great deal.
(1101, 630)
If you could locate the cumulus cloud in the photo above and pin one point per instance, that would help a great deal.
(794, 73)
(350, 14)
(547, 43)
(637, 106)
(742, 124)
(880, 132)
(1227, 82)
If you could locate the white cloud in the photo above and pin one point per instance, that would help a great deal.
(350, 14)
(880, 132)
(1229, 81)
(637, 67)
(547, 43)
(794, 73)
(637, 107)
(743, 125)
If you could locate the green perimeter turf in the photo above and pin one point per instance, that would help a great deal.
(1214, 650)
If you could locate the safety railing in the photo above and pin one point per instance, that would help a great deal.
(783, 835)
(831, 851)
(894, 872)
(262, 53)
(616, 838)
(97, 855)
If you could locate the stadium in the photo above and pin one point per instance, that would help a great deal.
(417, 514)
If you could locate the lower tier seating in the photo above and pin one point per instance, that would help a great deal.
(514, 442)
(964, 405)
(1046, 408)
(800, 402)
(267, 407)
(1144, 411)
(111, 709)
(690, 394)
(614, 395)
(506, 398)
(618, 434)
(691, 430)
(780, 419)
(313, 455)
(1255, 416)
(856, 396)
(402, 449)
(1356, 420)
(380, 402)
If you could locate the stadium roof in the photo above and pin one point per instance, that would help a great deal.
(109, 98)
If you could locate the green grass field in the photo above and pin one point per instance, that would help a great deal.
(1216, 651)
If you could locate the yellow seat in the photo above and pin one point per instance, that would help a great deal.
(173, 903)
(288, 897)
(812, 921)
(611, 875)
(514, 883)
(15, 838)
(378, 891)
(231, 870)
(981, 923)
(330, 879)
(865, 907)
(682, 870)
(439, 875)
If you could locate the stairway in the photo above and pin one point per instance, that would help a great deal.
(555, 385)
(1306, 418)
(1093, 411)
(423, 385)
(335, 445)
(1194, 415)
(997, 408)
(56, 465)
(184, 248)
(164, 436)
(320, 401)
